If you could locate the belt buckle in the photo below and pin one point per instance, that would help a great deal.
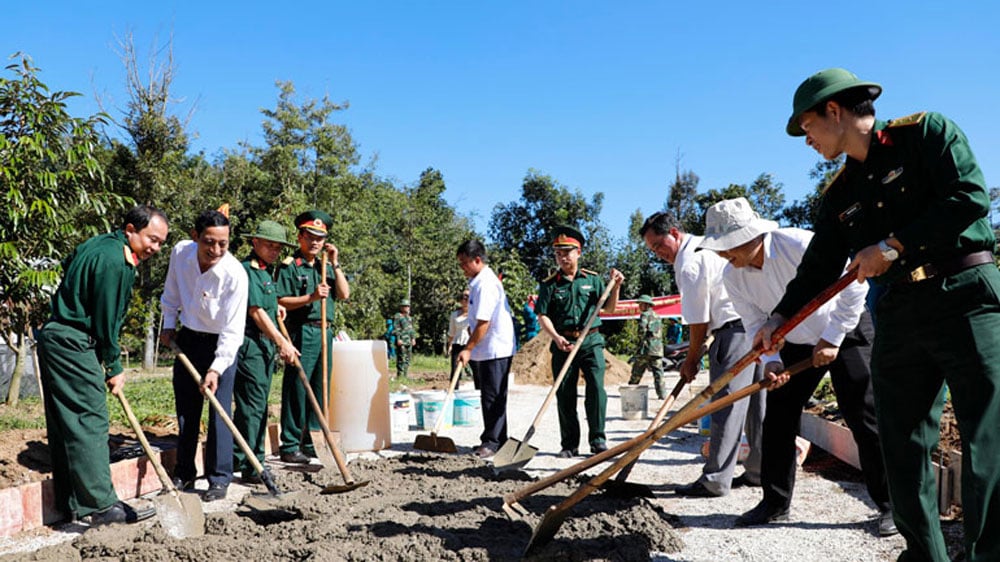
(919, 274)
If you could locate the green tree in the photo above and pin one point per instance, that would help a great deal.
(802, 213)
(57, 196)
(764, 195)
(682, 200)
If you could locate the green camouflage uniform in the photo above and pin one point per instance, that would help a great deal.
(405, 334)
(650, 352)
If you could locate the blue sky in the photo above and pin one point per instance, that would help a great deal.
(602, 96)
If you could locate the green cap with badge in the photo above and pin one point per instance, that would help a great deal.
(645, 299)
(315, 222)
(565, 236)
(820, 87)
(272, 232)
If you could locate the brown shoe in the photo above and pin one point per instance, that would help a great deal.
(295, 457)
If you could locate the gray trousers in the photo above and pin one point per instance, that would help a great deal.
(730, 344)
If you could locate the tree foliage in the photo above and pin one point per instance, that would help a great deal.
(802, 213)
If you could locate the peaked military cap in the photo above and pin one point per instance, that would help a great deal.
(316, 222)
(565, 236)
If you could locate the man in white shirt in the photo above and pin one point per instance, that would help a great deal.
(490, 346)
(838, 336)
(206, 290)
(706, 308)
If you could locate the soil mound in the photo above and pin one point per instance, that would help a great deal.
(532, 364)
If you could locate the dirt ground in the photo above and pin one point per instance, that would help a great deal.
(419, 506)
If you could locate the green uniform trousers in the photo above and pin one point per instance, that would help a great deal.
(297, 416)
(254, 370)
(403, 355)
(76, 417)
(648, 362)
(942, 330)
(590, 362)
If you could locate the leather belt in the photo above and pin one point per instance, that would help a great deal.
(947, 267)
(573, 334)
(727, 325)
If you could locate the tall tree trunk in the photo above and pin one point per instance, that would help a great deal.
(149, 347)
(14, 390)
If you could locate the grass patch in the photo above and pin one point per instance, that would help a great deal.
(28, 414)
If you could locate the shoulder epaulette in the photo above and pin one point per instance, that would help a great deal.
(832, 181)
(914, 119)
(130, 256)
(288, 260)
(550, 277)
(256, 264)
(589, 272)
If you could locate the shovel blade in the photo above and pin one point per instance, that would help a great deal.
(180, 514)
(546, 528)
(513, 455)
(343, 488)
(435, 443)
(271, 502)
(322, 449)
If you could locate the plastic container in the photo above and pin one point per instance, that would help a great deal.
(401, 409)
(468, 407)
(359, 395)
(634, 401)
(432, 405)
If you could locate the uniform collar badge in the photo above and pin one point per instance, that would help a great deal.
(892, 175)
(131, 256)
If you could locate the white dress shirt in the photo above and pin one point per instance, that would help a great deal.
(699, 279)
(755, 292)
(214, 302)
(458, 328)
(488, 301)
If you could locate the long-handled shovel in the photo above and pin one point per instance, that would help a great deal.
(555, 515)
(324, 453)
(324, 349)
(433, 442)
(257, 501)
(180, 514)
(515, 454)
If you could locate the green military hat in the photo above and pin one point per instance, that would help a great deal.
(565, 236)
(316, 222)
(820, 87)
(404, 302)
(645, 299)
(272, 232)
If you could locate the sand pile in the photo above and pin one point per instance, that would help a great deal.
(533, 364)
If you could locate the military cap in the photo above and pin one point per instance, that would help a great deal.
(316, 222)
(270, 231)
(645, 299)
(404, 302)
(820, 87)
(564, 236)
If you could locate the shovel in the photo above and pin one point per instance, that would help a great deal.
(272, 500)
(553, 518)
(180, 514)
(324, 349)
(432, 442)
(515, 454)
(324, 453)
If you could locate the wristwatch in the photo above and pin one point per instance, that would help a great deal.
(888, 252)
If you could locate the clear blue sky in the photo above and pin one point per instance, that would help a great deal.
(602, 96)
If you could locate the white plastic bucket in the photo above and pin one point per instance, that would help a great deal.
(359, 395)
(468, 407)
(432, 405)
(635, 401)
(400, 406)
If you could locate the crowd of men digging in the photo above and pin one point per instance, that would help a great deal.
(906, 217)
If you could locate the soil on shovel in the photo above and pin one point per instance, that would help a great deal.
(419, 507)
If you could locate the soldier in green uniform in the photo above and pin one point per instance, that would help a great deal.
(78, 357)
(566, 300)
(262, 343)
(911, 207)
(650, 353)
(406, 337)
(302, 286)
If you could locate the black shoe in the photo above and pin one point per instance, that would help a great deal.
(695, 490)
(182, 485)
(762, 515)
(251, 479)
(886, 525)
(598, 448)
(485, 452)
(215, 492)
(120, 512)
(295, 457)
(568, 453)
(743, 480)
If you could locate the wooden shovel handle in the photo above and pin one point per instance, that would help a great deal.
(451, 390)
(168, 485)
(324, 349)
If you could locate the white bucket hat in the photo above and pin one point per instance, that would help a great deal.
(731, 223)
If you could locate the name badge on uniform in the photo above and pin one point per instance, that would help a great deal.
(586, 287)
(892, 175)
(850, 212)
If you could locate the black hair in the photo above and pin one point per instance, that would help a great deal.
(858, 101)
(472, 249)
(660, 222)
(140, 215)
(208, 219)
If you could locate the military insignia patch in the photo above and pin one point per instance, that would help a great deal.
(908, 120)
(850, 212)
(892, 175)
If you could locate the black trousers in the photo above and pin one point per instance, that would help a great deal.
(492, 377)
(850, 373)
